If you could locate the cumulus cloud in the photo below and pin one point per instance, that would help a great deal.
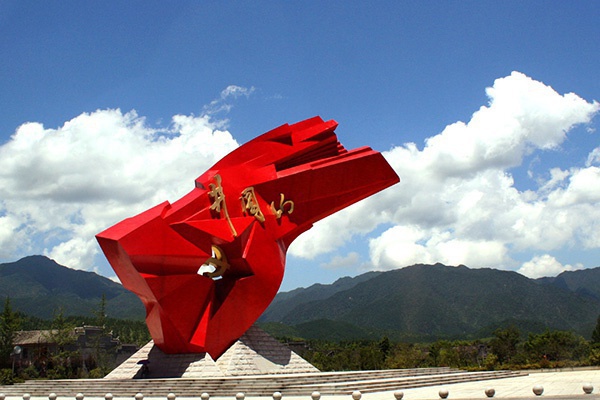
(401, 246)
(546, 265)
(457, 202)
(11, 235)
(59, 187)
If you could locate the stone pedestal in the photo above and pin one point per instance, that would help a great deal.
(255, 353)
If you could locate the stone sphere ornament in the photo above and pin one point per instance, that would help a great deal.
(588, 388)
(205, 396)
(277, 396)
(108, 396)
(240, 396)
(315, 395)
(171, 396)
(52, 396)
(490, 392)
(26, 396)
(398, 394)
(79, 396)
(356, 395)
(443, 393)
(538, 390)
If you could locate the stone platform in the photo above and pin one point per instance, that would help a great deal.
(255, 353)
(326, 383)
(256, 365)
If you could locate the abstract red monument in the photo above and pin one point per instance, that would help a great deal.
(208, 265)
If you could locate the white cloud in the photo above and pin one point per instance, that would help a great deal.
(581, 188)
(59, 187)
(74, 251)
(546, 265)
(401, 246)
(593, 157)
(222, 104)
(351, 259)
(457, 201)
(11, 235)
(236, 91)
(523, 115)
(329, 234)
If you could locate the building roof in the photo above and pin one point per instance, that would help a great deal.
(47, 337)
(33, 337)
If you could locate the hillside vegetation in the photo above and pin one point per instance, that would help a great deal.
(419, 316)
(430, 302)
(38, 286)
(416, 304)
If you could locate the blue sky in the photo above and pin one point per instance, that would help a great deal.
(108, 108)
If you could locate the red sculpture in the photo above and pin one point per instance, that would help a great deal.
(208, 265)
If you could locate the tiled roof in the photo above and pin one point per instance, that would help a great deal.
(32, 337)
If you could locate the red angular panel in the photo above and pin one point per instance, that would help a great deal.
(208, 265)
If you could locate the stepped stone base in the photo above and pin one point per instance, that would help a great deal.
(255, 353)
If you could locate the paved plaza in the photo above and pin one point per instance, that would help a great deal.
(556, 385)
(566, 384)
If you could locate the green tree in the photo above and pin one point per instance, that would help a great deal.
(102, 357)
(449, 356)
(435, 352)
(9, 325)
(384, 346)
(595, 345)
(504, 343)
(100, 312)
(594, 355)
(556, 346)
(596, 333)
(407, 355)
(61, 331)
(371, 355)
(64, 359)
(468, 353)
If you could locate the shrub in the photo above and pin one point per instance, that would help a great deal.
(97, 373)
(30, 373)
(6, 377)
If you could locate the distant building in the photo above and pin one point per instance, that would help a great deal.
(37, 346)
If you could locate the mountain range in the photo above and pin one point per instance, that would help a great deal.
(38, 286)
(416, 303)
(428, 302)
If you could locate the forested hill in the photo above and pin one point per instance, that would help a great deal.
(420, 302)
(585, 282)
(38, 286)
(438, 301)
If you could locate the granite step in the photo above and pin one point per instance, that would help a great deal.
(299, 384)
